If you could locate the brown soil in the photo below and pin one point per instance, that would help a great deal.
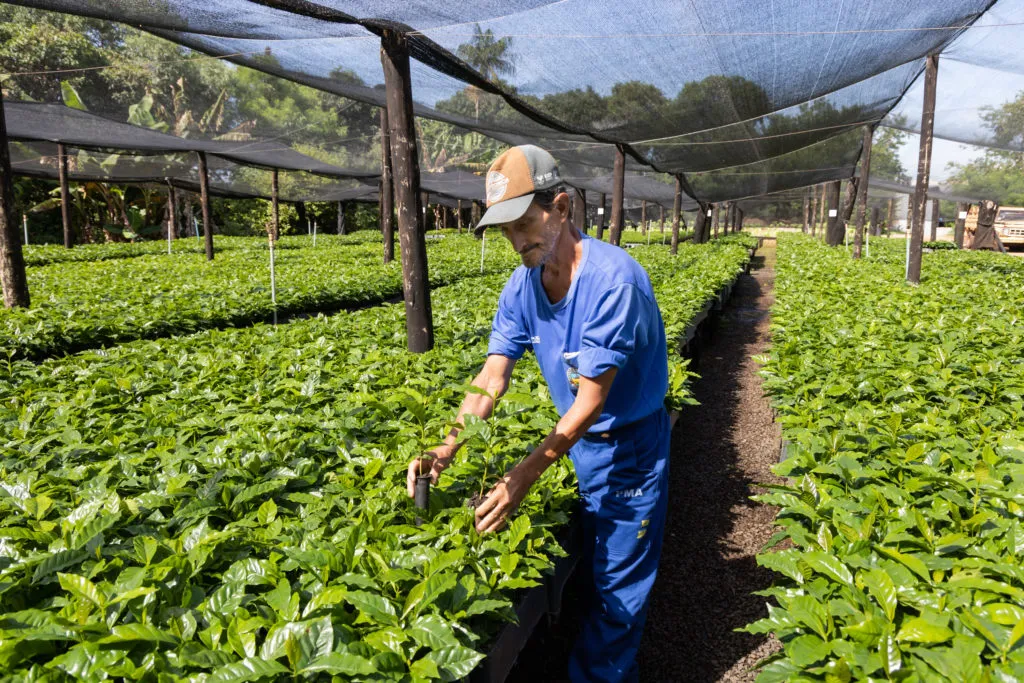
(720, 450)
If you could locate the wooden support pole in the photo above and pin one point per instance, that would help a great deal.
(474, 214)
(458, 215)
(924, 165)
(275, 206)
(727, 211)
(419, 321)
(807, 214)
(65, 195)
(862, 192)
(13, 278)
(172, 207)
(204, 198)
(643, 216)
(677, 210)
(387, 196)
(890, 220)
(814, 210)
(832, 200)
(601, 199)
(618, 190)
(958, 228)
(661, 218)
(718, 212)
(841, 236)
(701, 224)
(342, 222)
(821, 208)
(579, 210)
(876, 218)
(935, 221)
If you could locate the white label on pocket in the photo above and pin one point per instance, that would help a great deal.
(832, 213)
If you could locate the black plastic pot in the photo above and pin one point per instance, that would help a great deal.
(422, 495)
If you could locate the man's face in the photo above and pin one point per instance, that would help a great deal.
(534, 234)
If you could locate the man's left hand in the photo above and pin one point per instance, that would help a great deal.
(502, 501)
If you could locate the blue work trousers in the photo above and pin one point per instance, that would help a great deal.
(623, 479)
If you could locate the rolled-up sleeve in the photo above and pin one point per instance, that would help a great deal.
(613, 330)
(509, 336)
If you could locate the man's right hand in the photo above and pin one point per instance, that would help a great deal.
(432, 463)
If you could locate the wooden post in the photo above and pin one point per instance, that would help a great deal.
(618, 189)
(275, 207)
(474, 214)
(726, 212)
(601, 199)
(13, 279)
(958, 228)
(839, 235)
(446, 215)
(935, 220)
(821, 208)
(814, 210)
(342, 222)
(204, 198)
(65, 195)
(579, 210)
(419, 321)
(807, 214)
(643, 216)
(862, 192)
(172, 208)
(387, 197)
(677, 210)
(891, 217)
(661, 218)
(876, 218)
(832, 200)
(924, 164)
(701, 224)
(458, 215)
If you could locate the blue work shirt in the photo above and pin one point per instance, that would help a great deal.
(609, 318)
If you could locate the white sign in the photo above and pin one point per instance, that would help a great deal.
(963, 215)
(709, 213)
(832, 213)
(600, 211)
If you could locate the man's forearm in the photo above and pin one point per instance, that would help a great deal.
(570, 429)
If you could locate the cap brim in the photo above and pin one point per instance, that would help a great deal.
(504, 212)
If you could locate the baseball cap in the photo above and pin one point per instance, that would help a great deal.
(511, 181)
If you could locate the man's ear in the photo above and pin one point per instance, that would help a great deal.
(562, 204)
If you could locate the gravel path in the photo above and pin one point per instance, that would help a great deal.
(721, 448)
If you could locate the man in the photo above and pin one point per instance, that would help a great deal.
(587, 311)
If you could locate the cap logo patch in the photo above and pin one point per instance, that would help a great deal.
(497, 183)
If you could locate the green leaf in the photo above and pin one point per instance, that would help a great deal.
(340, 664)
(807, 650)
(248, 669)
(375, 607)
(141, 633)
(830, 566)
(881, 587)
(909, 561)
(455, 662)
(82, 588)
(917, 630)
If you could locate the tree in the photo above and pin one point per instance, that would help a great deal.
(489, 56)
(999, 174)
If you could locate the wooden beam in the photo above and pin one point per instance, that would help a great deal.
(958, 228)
(342, 222)
(618, 190)
(579, 209)
(13, 278)
(275, 206)
(677, 210)
(419, 320)
(204, 198)
(65, 195)
(661, 218)
(935, 221)
(924, 165)
(832, 200)
(643, 216)
(601, 199)
(387, 196)
(862, 192)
